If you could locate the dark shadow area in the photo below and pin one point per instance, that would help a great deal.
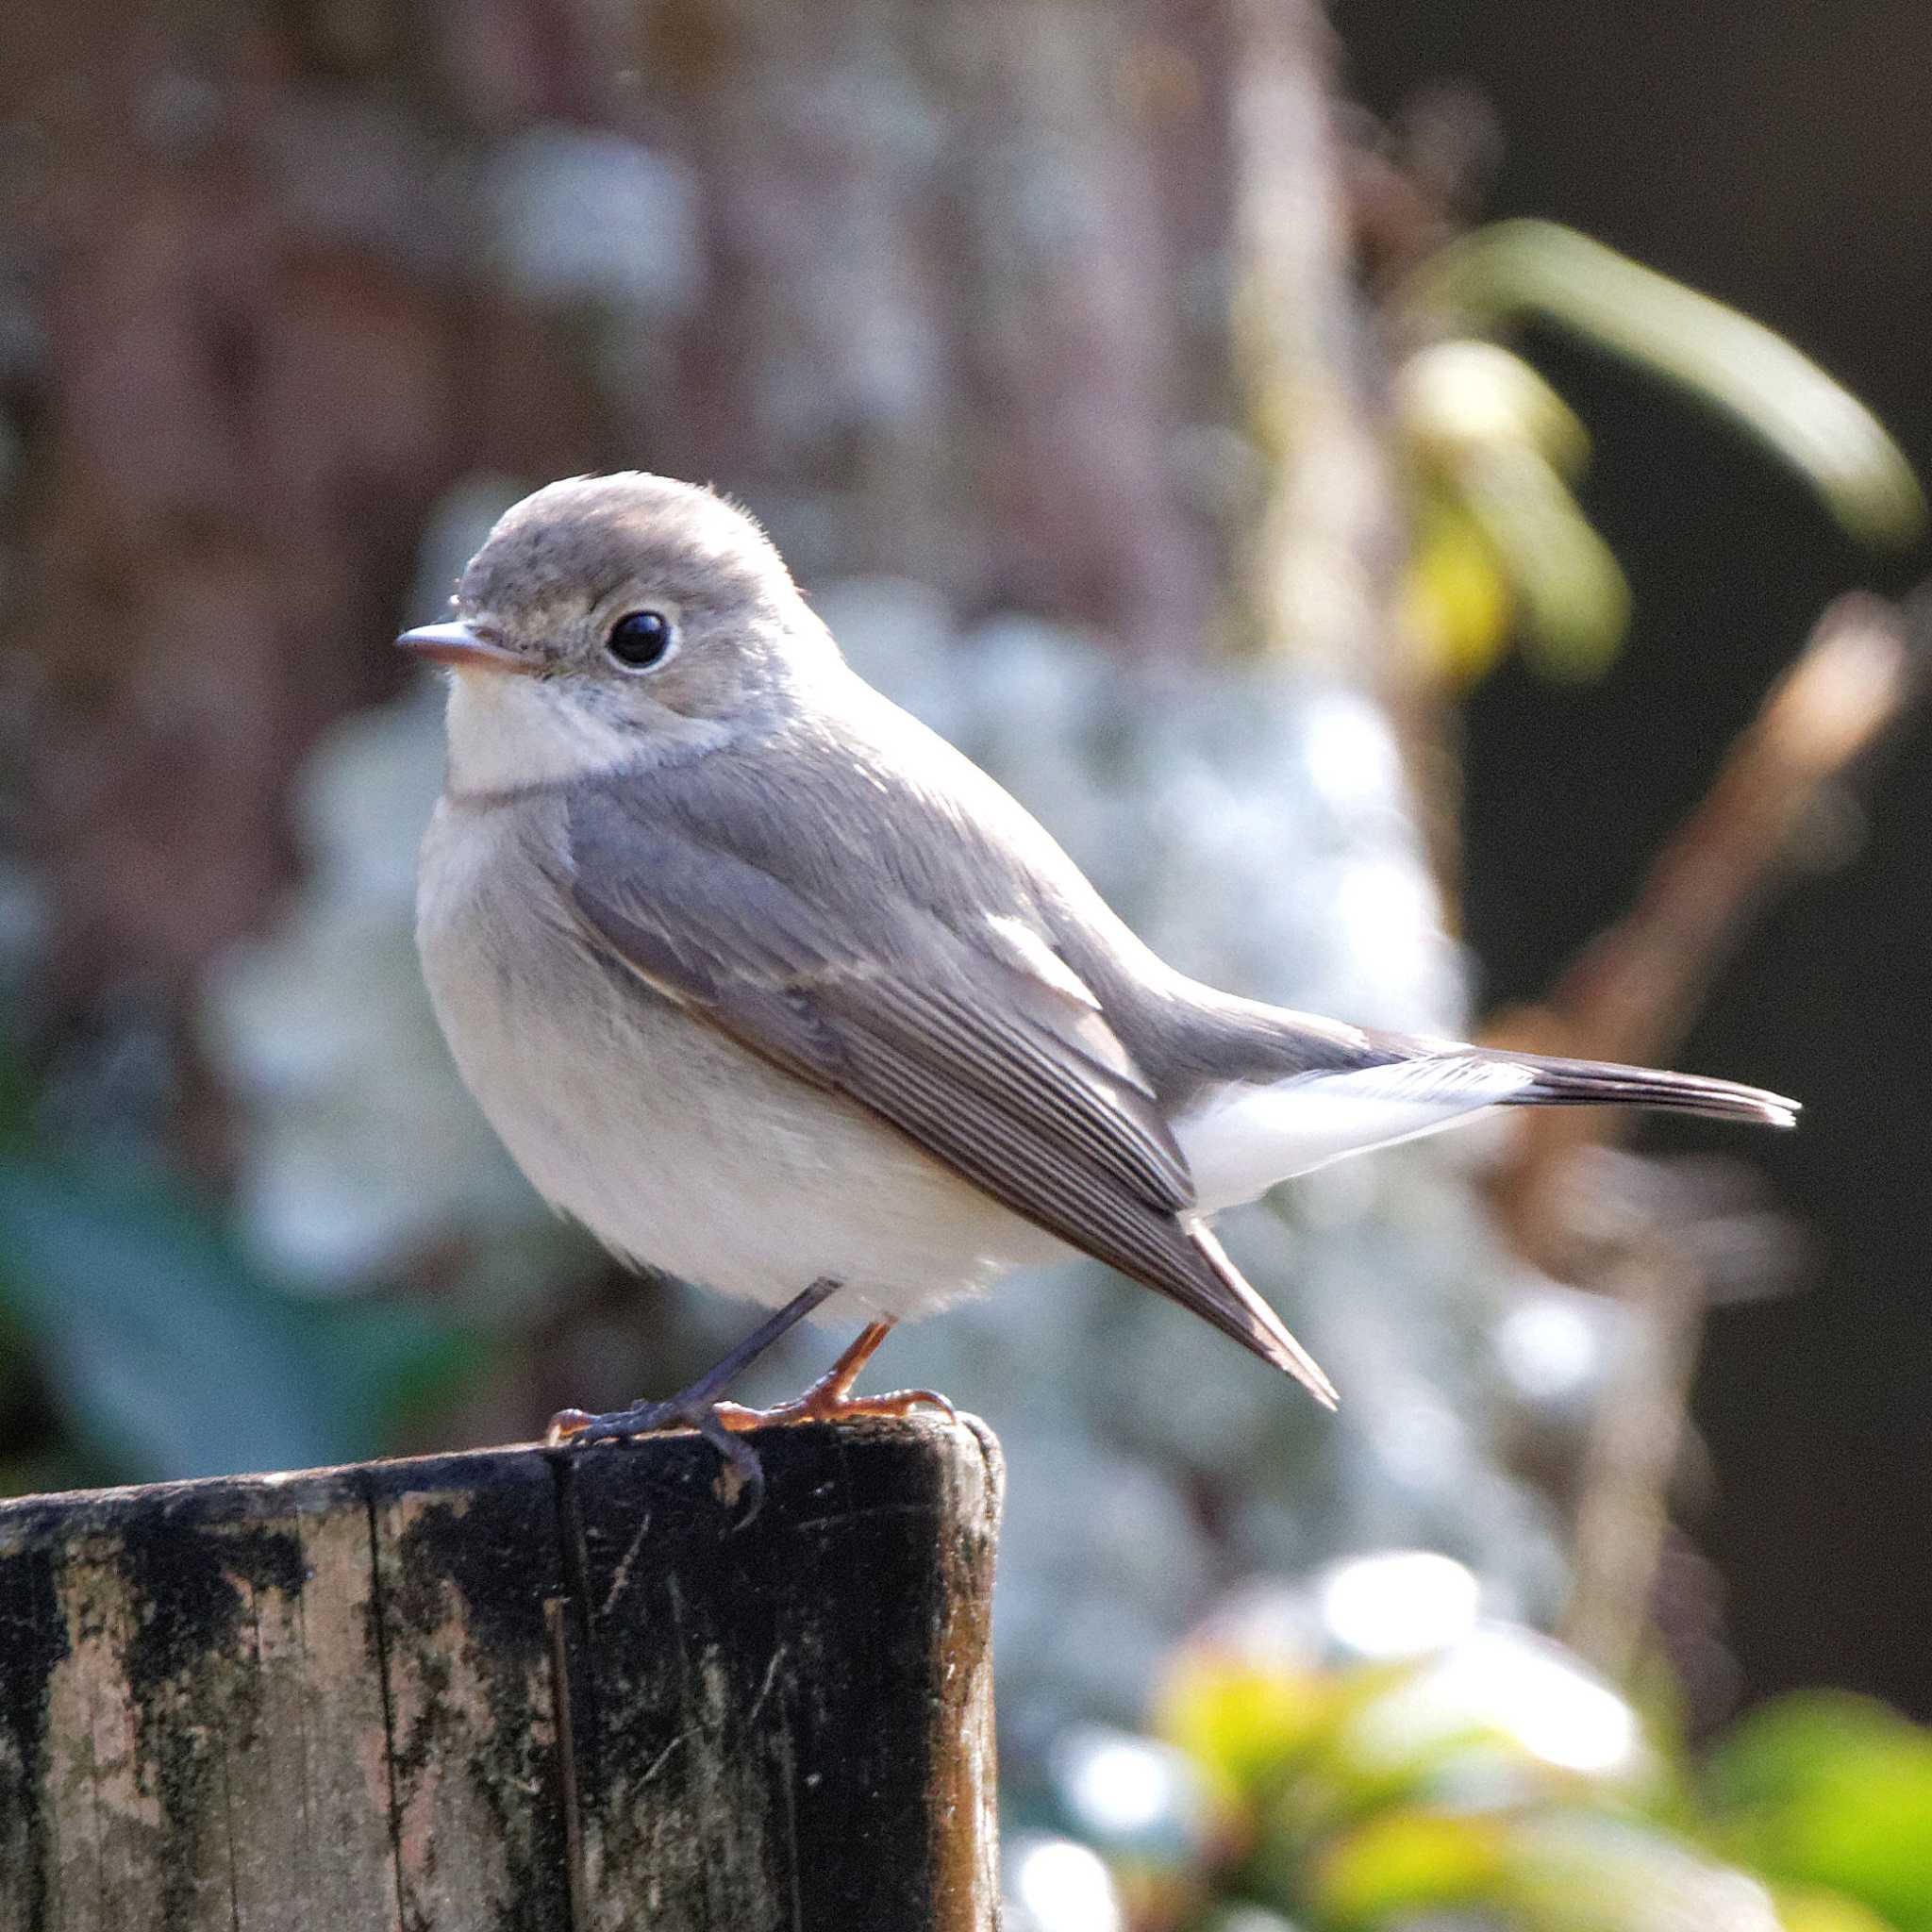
(1772, 156)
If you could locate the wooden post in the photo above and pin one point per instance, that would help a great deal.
(523, 1690)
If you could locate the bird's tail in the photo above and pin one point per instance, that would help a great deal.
(1602, 1083)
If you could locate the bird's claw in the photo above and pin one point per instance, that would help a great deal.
(744, 1474)
(926, 1398)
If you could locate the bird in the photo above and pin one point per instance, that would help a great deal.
(772, 989)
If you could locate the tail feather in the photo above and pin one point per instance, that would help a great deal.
(1602, 1083)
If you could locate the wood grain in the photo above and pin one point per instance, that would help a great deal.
(525, 1689)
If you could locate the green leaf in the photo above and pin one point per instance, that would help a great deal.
(1825, 1911)
(1574, 604)
(1410, 1861)
(1782, 1748)
(1511, 270)
(1458, 605)
(170, 1355)
(1832, 1790)
(1455, 394)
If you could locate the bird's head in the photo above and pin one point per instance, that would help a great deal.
(617, 621)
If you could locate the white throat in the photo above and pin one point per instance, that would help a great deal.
(506, 732)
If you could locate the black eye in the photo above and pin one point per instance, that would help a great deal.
(638, 641)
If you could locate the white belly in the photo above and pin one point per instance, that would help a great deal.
(678, 1147)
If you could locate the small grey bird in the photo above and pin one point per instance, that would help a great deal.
(767, 985)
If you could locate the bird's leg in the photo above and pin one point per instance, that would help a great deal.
(696, 1407)
(831, 1398)
(721, 1422)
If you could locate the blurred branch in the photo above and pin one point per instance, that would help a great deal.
(1632, 1454)
(1322, 581)
(1329, 541)
(1657, 1242)
(1636, 990)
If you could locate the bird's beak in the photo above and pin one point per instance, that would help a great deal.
(463, 646)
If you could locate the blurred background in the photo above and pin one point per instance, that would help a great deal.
(1383, 487)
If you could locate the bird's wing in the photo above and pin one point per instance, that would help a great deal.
(969, 1035)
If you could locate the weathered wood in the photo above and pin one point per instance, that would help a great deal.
(525, 1689)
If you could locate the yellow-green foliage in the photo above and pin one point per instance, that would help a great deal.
(1413, 1763)
(1501, 546)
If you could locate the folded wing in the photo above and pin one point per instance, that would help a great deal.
(967, 1034)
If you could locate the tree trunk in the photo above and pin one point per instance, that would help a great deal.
(941, 286)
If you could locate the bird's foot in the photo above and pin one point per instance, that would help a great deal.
(745, 1474)
(821, 1405)
(721, 1424)
(639, 1419)
(831, 1398)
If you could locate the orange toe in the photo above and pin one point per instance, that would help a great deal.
(832, 1405)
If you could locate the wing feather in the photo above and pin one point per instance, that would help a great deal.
(1000, 1066)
